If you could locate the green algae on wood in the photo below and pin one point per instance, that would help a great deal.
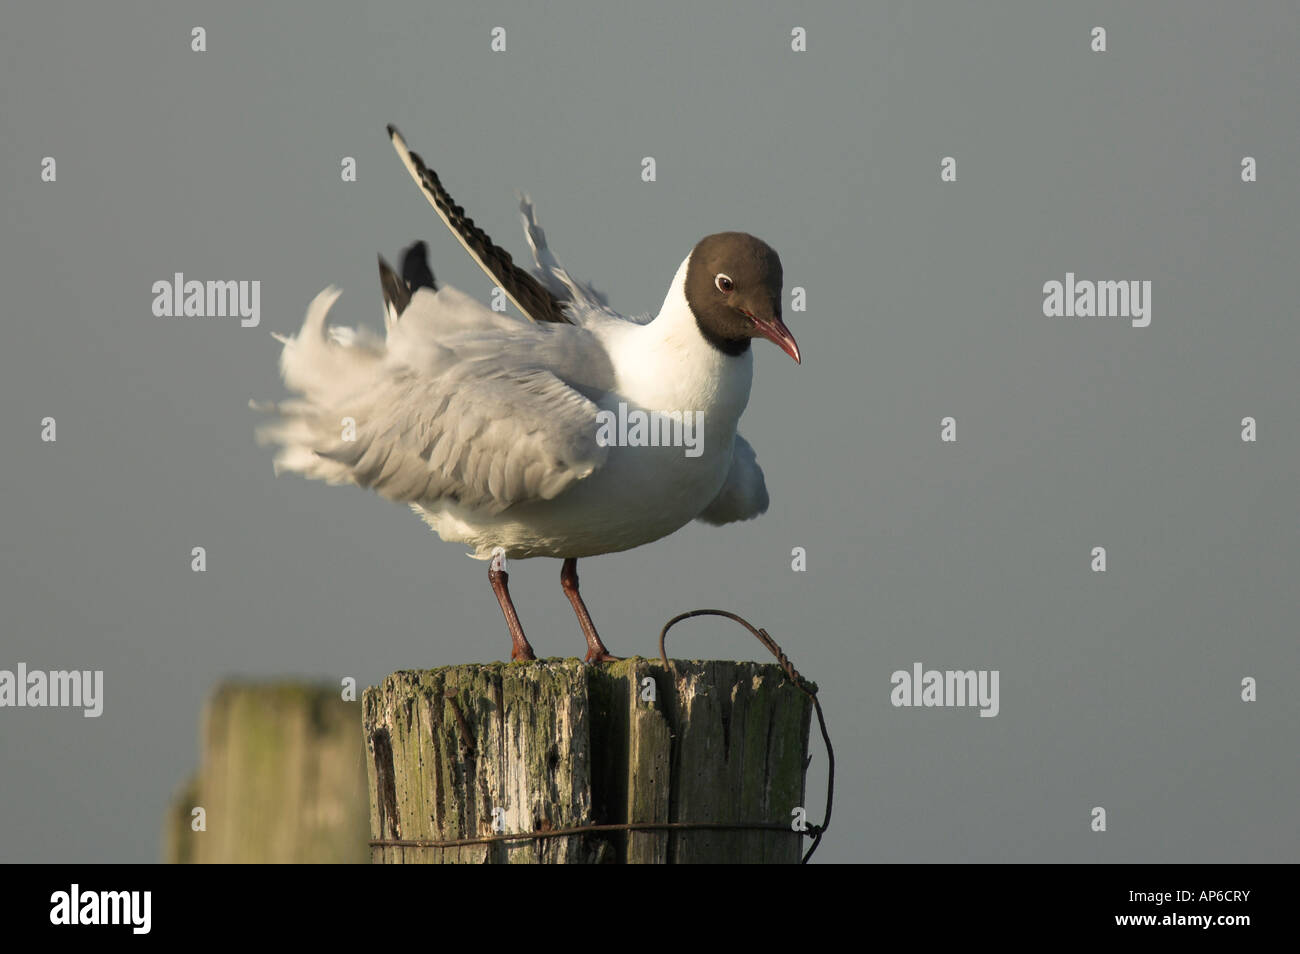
(555, 744)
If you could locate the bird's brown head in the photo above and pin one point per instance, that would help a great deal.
(733, 287)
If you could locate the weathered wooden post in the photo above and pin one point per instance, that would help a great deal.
(280, 779)
(499, 762)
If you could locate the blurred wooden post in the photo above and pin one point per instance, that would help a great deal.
(281, 780)
(479, 750)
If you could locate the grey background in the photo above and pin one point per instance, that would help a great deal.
(1119, 690)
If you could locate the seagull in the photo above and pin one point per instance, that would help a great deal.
(489, 425)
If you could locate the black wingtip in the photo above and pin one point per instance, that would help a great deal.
(392, 131)
(415, 267)
(532, 298)
(416, 274)
(396, 294)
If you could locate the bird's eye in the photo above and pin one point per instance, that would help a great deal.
(723, 282)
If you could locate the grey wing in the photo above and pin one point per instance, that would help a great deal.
(529, 295)
(478, 425)
(584, 298)
(484, 442)
(744, 494)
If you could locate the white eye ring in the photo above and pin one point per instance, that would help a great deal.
(723, 283)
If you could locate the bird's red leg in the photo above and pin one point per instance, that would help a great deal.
(596, 651)
(519, 648)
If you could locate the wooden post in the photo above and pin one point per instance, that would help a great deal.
(475, 751)
(281, 780)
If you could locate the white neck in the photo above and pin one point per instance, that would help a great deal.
(668, 365)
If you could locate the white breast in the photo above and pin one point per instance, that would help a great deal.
(641, 493)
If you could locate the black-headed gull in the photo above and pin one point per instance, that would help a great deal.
(565, 433)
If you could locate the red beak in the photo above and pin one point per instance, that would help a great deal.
(776, 332)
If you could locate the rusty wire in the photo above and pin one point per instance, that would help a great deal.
(814, 832)
(582, 830)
